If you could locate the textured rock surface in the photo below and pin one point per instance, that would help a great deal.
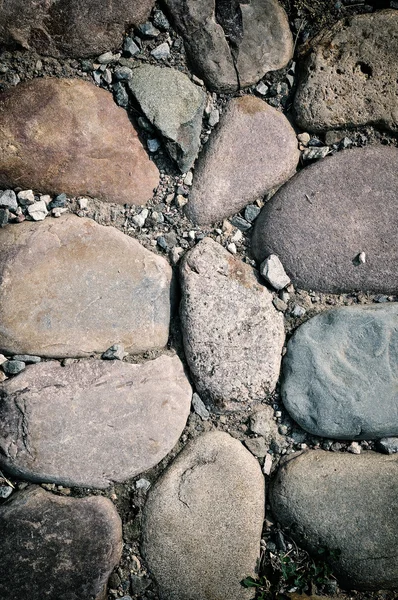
(344, 502)
(175, 105)
(94, 422)
(350, 77)
(340, 373)
(63, 135)
(70, 27)
(253, 150)
(321, 220)
(57, 548)
(233, 335)
(71, 287)
(203, 521)
(233, 44)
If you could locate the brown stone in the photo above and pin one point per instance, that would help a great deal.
(69, 27)
(67, 135)
(71, 287)
(329, 213)
(57, 548)
(253, 150)
(92, 422)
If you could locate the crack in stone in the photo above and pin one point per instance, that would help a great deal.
(228, 15)
(201, 462)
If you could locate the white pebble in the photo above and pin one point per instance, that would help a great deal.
(231, 248)
(362, 258)
(38, 211)
(354, 448)
(273, 272)
(26, 197)
(267, 464)
(140, 219)
(188, 179)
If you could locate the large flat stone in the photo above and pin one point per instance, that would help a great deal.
(71, 287)
(67, 135)
(253, 150)
(323, 218)
(69, 27)
(57, 548)
(174, 105)
(233, 44)
(203, 521)
(340, 373)
(343, 502)
(350, 76)
(233, 335)
(93, 422)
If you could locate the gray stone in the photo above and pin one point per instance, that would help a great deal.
(38, 210)
(78, 150)
(161, 52)
(253, 150)
(8, 200)
(130, 47)
(27, 358)
(262, 423)
(115, 352)
(199, 407)
(340, 373)
(323, 218)
(233, 44)
(148, 30)
(27, 197)
(174, 105)
(57, 548)
(78, 28)
(388, 445)
(251, 212)
(93, 422)
(233, 336)
(257, 446)
(13, 367)
(347, 503)
(72, 288)
(5, 491)
(273, 272)
(355, 65)
(203, 521)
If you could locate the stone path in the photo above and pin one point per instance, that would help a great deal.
(198, 301)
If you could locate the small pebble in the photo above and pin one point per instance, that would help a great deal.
(142, 484)
(362, 258)
(3, 359)
(231, 248)
(354, 448)
(148, 30)
(27, 358)
(59, 201)
(161, 52)
(38, 211)
(153, 145)
(240, 223)
(304, 138)
(83, 203)
(279, 304)
(298, 311)
(181, 201)
(262, 88)
(8, 199)
(130, 47)
(26, 197)
(115, 352)
(4, 216)
(274, 273)
(315, 153)
(160, 20)
(140, 219)
(123, 73)
(106, 58)
(188, 179)
(199, 407)
(214, 117)
(267, 464)
(5, 491)
(251, 213)
(13, 367)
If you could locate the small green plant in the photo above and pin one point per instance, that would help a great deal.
(261, 585)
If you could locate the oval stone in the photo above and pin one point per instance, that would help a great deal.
(203, 521)
(321, 220)
(71, 288)
(93, 422)
(340, 373)
(346, 503)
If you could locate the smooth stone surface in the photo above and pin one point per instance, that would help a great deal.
(174, 105)
(340, 373)
(233, 336)
(253, 150)
(233, 44)
(350, 77)
(57, 548)
(94, 422)
(203, 521)
(64, 135)
(76, 28)
(72, 288)
(346, 502)
(323, 218)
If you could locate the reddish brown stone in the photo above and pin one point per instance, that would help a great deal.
(67, 135)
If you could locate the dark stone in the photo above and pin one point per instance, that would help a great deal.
(323, 218)
(57, 548)
(13, 367)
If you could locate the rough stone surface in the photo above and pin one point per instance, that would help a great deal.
(345, 502)
(69, 27)
(63, 135)
(57, 548)
(340, 373)
(71, 287)
(233, 44)
(94, 422)
(350, 77)
(253, 150)
(321, 220)
(203, 521)
(233, 336)
(174, 105)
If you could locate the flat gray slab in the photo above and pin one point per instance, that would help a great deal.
(69, 136)
(233, 335)
(203, 521)
(343, 502)
(253, 150)
(340, 373)
(93, 422)
(233, 44)
(323, 218)
(57, 548)
(71, 287)
(350, 76)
